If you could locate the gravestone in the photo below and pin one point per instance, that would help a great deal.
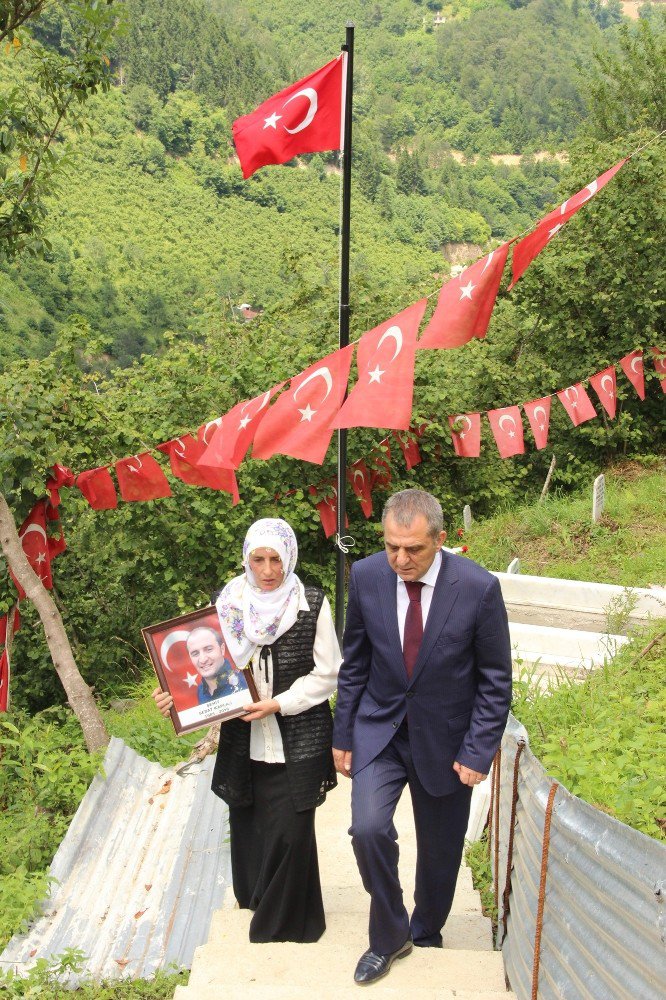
(467, 516)
(514, 566)
(598, 497)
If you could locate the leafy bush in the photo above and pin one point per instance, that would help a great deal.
(48, 976)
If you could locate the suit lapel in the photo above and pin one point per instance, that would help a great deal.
(388, 602)
(444, 597)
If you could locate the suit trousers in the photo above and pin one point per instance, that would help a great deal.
(440, 822)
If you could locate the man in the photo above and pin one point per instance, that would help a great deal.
(218, 677)
(423, 697)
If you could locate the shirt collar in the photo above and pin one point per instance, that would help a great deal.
(429, 578)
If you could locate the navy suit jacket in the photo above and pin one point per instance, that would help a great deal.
(459, 695)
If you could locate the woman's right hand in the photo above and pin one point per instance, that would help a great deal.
(163, 700)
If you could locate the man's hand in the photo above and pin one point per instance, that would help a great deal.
(163, 700)
(467, 775)
(260, 709)
(342, 760)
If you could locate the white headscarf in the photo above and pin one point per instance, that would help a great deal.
(252, 617)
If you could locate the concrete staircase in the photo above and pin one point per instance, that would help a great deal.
(466, 968)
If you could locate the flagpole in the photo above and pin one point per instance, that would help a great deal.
(345, 216)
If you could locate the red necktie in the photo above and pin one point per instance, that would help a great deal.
(411, 642)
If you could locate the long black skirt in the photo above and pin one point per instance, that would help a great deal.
(274, 861)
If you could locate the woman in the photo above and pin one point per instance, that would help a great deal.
(273, 772)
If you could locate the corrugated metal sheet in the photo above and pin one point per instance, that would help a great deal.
(604, 926)
(144, 864)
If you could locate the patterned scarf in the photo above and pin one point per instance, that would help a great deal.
(249, 616)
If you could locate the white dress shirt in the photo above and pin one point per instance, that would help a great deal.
(428, 580)
(304, 693)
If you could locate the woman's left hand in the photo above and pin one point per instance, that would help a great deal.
(260, 709)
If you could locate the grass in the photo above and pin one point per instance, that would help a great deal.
(557, 538)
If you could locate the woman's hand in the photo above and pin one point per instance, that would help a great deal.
(260, 709)
(163, 700)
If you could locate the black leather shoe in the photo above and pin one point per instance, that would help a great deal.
(372, 967)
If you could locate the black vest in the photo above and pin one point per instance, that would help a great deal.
(306, 737)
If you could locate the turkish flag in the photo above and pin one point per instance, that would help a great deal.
(35, 544)
(360, 480)
(62, 476)
(465, 303)
(409, 448)
(659, 358)
(604, 384)
(467, 437)
(538, 414)
(98, 489)
(183, 455)
(528, 248)
(306, 117)
(382, 397)
(632, 366)
(232, 434)
(328, 508)
(577, 403)
(299, 423)
(507, 427)
(380, 466)
(141, 478)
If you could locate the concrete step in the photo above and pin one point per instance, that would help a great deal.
(383, 990)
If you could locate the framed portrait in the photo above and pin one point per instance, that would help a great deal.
(195, 667)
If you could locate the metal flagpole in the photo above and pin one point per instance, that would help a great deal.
(348, 47)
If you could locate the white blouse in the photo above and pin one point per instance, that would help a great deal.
(304, 693)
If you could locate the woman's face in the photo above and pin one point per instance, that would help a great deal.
(267, 568)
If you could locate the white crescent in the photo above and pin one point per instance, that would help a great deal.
(539, 409)
(131, 468)
(261, 406)
(572, 388)
(609, 379)
(463, 416)
(638, 358)
(489, 261)
(357, 473)
(396, 333)
(319, 373)
(211, 423)
(181, 454)
(311, 95)
(34, 527)
(592, 189)
(180, 635)
(505, 416)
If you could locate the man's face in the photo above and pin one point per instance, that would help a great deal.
(206, 653)
(411, 550)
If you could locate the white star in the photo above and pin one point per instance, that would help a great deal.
(512, 434)
(376, 375)
(554, 230)
(610, 394)
(461, 434)
(308, 414)
(41, 557)
(272, 121)
(574, 403)
(466, 291)
(244, 422)
(191, 680)
(542, 427)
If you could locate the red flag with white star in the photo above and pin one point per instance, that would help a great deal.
(382, 396)
(306, 117)
(299, 423)
(538, 414)
(141, 478)
(507, 427)
(228, 438)
(35, 544)
(183, 455)
(466, 434)
(98, 489)
(531, 246)
(409, 448)
(577, 403)
(604, 384)
(465, 303)
(632, 366)
(328, 508)
(359, 478)
(659, 358)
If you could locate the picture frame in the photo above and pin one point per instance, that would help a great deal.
(195, 667)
